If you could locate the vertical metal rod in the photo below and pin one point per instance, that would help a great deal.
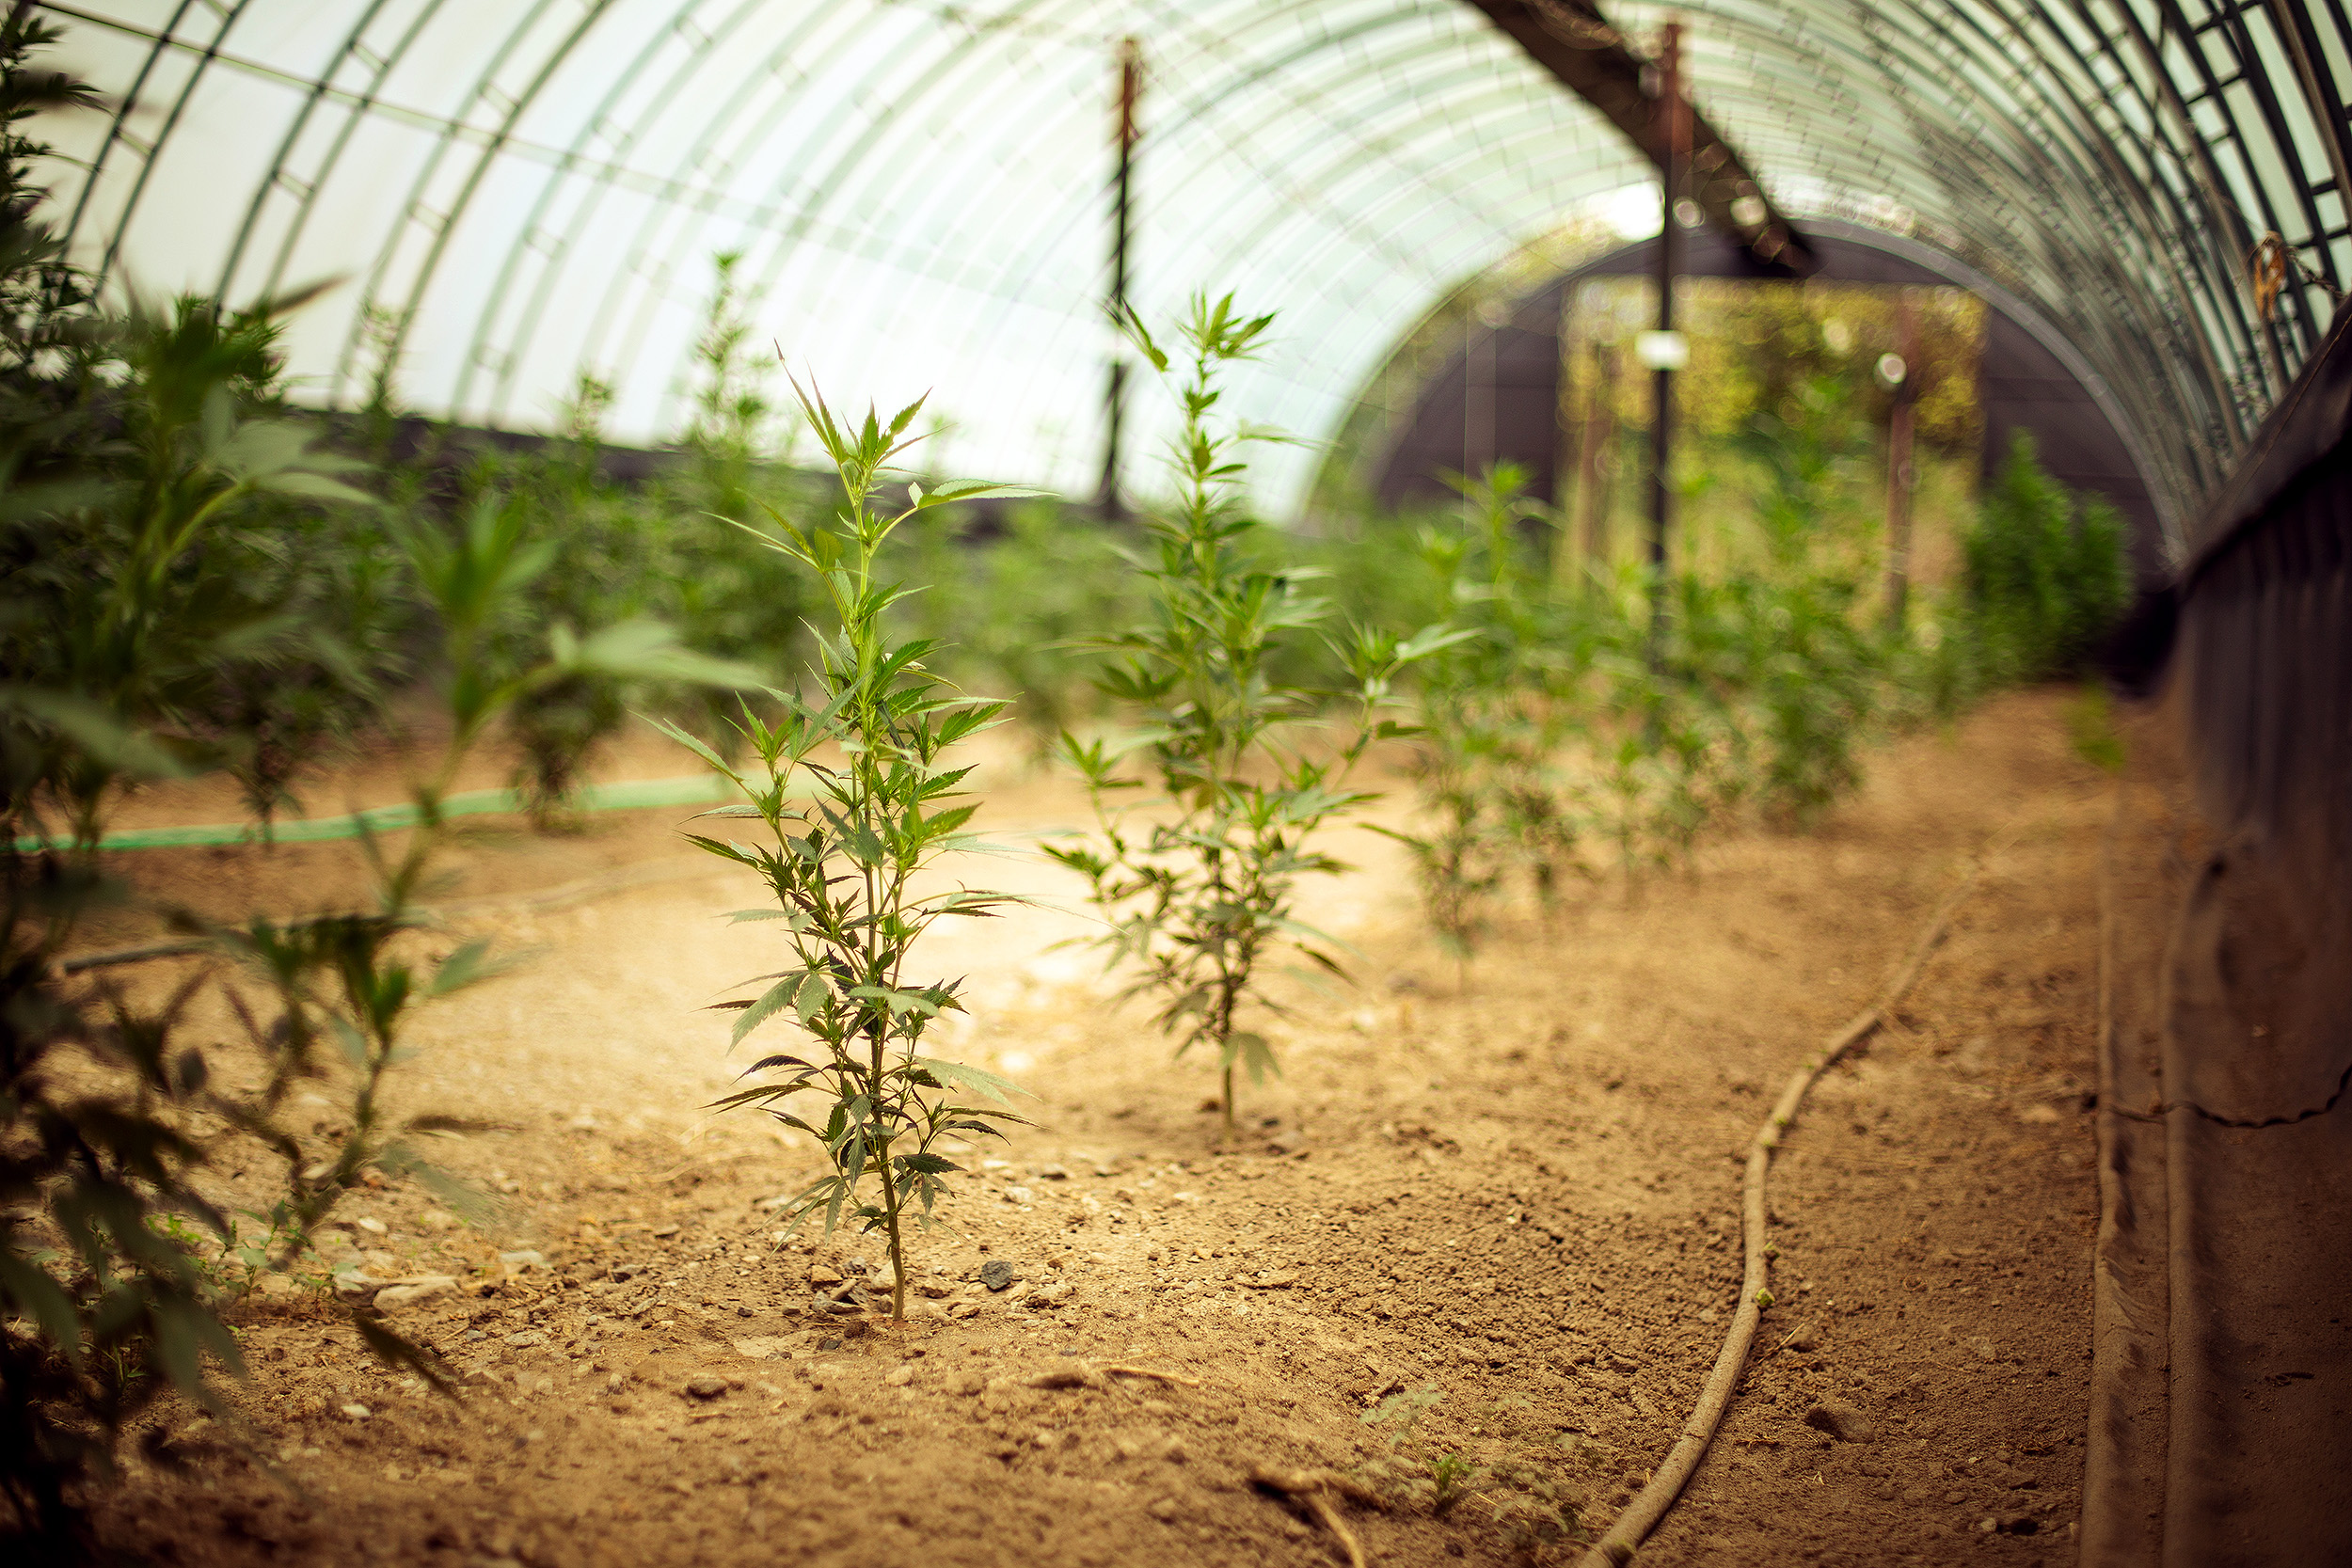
(1901, 477)
(1673, 155)
(1109, 500)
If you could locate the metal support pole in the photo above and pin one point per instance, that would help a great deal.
(1902, 475)
(1674, 157)
(1109, 500)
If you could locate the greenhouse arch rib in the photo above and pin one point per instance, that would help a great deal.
(117, 136)
(924, 182)
(279, 171)
(2054, 194)
(511, 263)
(444, 222)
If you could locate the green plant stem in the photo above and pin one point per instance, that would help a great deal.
(845, 849)
(898, 1244)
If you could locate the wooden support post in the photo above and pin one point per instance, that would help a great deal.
(1109, 500)
(1674, 156)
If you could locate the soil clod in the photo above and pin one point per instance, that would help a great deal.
(1841, 1421)
(1065, 1377)
(391, 1298)
(1312, 1488)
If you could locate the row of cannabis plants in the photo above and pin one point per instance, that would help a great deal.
(199, 579)
(1602, 727)
(1541, 722)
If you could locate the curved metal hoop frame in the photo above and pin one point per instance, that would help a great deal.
(523, 191)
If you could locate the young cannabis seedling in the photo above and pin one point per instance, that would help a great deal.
(880, 803)
(1493, 802)
(1451, 1476)
(349, 981)
(1203, 887)
(1401, 1411)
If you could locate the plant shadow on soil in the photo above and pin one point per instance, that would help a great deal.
(1521, 1200)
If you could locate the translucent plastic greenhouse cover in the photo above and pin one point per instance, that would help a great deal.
(518, 191)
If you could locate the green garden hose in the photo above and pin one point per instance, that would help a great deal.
(699, 789)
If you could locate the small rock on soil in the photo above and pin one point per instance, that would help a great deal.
(1841, 1421)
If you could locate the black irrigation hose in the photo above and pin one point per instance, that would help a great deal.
(1641, 1515)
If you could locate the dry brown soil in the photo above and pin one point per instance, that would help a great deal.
(1505, 1216)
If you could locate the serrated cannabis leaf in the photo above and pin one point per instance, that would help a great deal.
(854, 800)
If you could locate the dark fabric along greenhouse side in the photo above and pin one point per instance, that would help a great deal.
(2222, 1378)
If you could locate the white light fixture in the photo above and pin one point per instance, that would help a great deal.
(1892, 370)
(1661, 350)
(1749, 211)
(1689, 213)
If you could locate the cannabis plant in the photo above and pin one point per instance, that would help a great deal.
(856, 794)
(1051, 577)
(2046, 576)
(1810, 675)
(1199, 883)
(163, 585)
(738, 463)
(104, 1311)
(610, 571)
(100, 1169)
(1494, 799)
(348, 981)
(160, 523)
(101, 1312)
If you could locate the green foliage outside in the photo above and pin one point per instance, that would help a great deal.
(1773, 672)
(2044, 575)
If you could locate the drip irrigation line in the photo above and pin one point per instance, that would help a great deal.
(635, 794)
(1641, 1516)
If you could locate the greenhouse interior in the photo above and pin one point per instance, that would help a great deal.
(1105, 782)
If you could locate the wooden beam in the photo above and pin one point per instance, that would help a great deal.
(1592, 58)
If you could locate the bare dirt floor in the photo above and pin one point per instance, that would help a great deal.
(1496, 1221)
